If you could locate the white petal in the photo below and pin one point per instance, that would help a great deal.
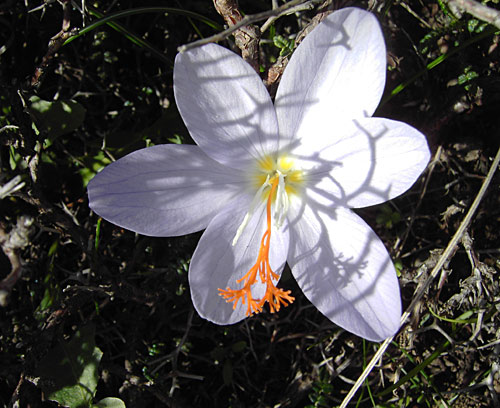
(225, 106)
(337, 72)
(164, 190)
(217, 264)
(368, 161)
(345, 271)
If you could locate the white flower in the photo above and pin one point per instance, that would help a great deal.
(275, 183)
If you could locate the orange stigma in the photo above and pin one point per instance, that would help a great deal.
(262, 268)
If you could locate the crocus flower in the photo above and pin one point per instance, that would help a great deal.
(274, 183)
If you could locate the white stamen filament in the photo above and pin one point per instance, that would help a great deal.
(251, 210)
(281, 205)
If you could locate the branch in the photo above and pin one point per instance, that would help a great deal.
(276, 70)
(11, 186)
(54, 44)
(308, 5)
(249, 19)
(478, 10)
(246, 38)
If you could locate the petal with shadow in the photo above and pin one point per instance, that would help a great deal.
(225, 106)
(216, 263)
(366, 162)
(336, 73)
(163, 190)
(344, 270)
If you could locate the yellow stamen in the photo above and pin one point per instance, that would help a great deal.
(261, 269)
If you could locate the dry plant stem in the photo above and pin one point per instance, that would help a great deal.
(54, 215)
(173, 357)
(491, 344)
(25, 137)
(398, 247)
(276, 70)
(246, 38)
(11, 187)
(9, 127)
(308, 5)
(249, 19)
(410, 10)
(450, 249)
(488, 382)
(478, 10)
(16, 396)
(54, 44)
(11, 243)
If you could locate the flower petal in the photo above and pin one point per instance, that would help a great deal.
(225, 106)
(164, 190)
(345, 271)
(217, 264)
(336, 73)
(369, 161)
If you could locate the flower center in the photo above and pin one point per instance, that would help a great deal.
(277, 179)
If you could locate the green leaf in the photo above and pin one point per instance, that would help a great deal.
(68, 373)
(110, 402)
(285, 45)
(15, 159)
(94, 165)
(467, 76)
(58, 117)
(387, 217)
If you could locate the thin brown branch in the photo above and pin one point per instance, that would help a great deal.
(249, 19)
(54, 44)
(247, 37)
(276, 70)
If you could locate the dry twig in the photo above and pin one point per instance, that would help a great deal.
(54, 44)
(245, 21)
(276, 70)
(478, 10)
(247, 37)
